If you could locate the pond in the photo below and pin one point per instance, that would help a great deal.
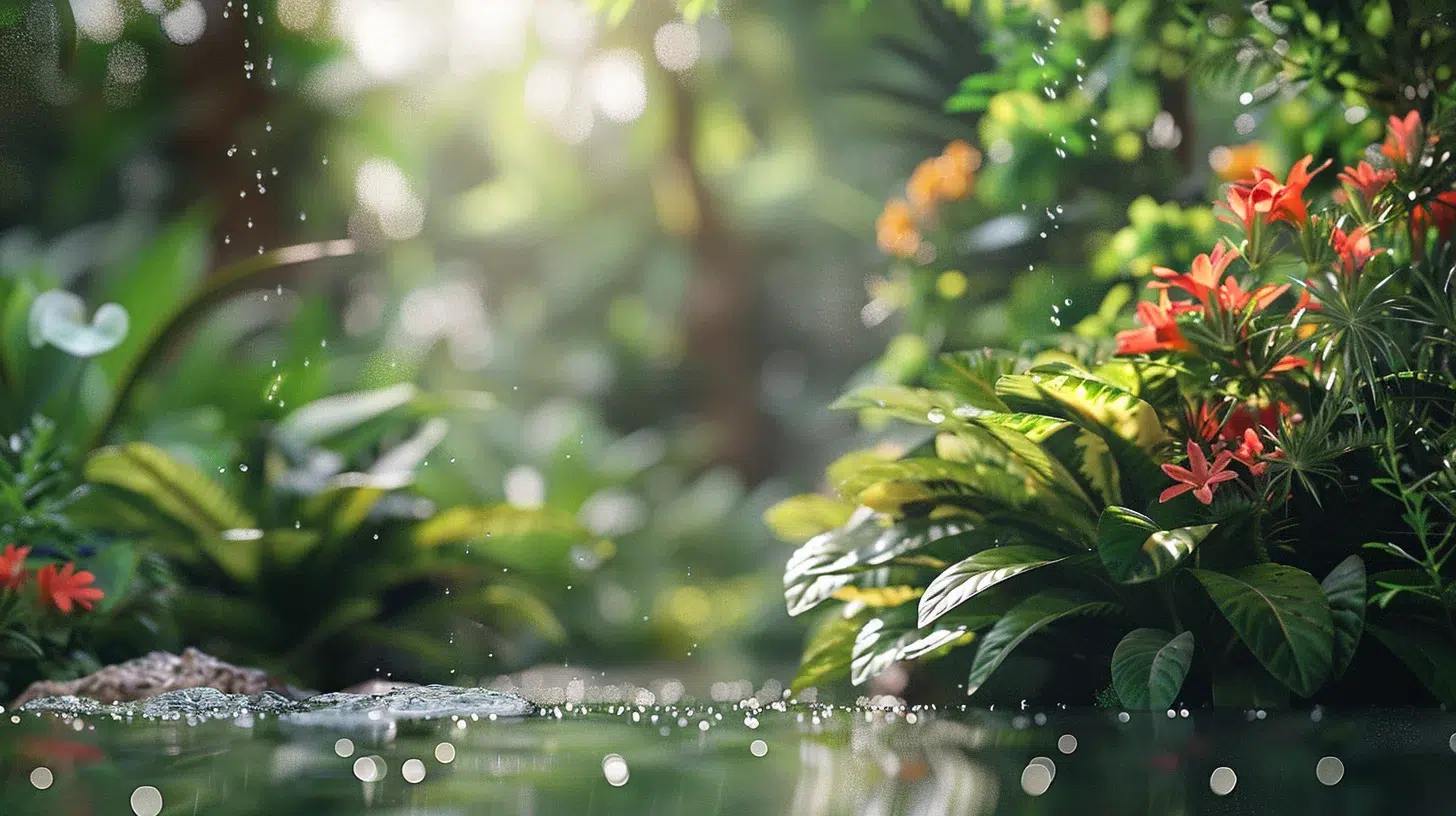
(736, 759)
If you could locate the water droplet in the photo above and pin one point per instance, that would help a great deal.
(42, 778)
(1066, 743)
(413, 771)
(758, 748)
(146, 801)
(1329, 771)
(344, 748)
(614, 768)
(1222, 780)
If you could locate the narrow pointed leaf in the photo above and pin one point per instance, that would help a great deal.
(827, 655)
(1022, 621)
(1133, 549)
(1149, 666)
(1345, 590)
(1281, 615)
(985, 569)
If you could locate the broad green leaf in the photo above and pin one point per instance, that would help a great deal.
(114, 567)
(402, 460)
(892, 636)
(1036, 427)
(1281, 615)
(1344, 588)
(520, 605)
(883, 597)
(826, 563)
(799, 518)
(1425, 649)
(1024, 620)
(1134, 550)
(979, 572)
(152, 285)
(890, 486)
(537, 541)
(321, 419)
(894, 542)
(828, 653)
(174, 487)
(972, 375)
(1149, 666)
(921, 406)
(1129, 426)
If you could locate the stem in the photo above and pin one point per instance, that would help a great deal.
(1165, 590)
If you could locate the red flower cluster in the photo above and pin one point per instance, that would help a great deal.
(62, 588)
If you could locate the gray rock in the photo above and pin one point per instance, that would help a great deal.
(337, 710)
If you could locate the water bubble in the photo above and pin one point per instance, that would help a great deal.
(413, 771)
(935, 415)
(146, 801)
(344, 748)
(1222, 780)
(1067, 743)
(1329, 770)
(42, 778)
(758, 748)
(1035, 779)
(370, 768)
(614, 768)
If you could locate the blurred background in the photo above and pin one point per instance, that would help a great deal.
(606, 266)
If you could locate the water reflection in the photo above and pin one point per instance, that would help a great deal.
(742, 759)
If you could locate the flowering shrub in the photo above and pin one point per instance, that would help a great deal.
(1166, 511)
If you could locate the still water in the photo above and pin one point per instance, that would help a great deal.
(737, 759)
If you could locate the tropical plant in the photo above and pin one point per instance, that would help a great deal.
(1308, 352)
(314, 559)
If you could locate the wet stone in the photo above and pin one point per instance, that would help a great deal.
(336, 710)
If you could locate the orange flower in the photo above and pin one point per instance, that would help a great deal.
(923, 189)
(1439, 212)
(1352, 249)
(897, 231)
(1159, 330)
(65, 586)
(12, 566)
(1403, 138)
(958, 165)
(1366, 180)
(1287, 199)
(1203, 277)
(1233, 298)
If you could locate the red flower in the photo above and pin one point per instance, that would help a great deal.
(1247, 203)
(1202, 277)
(1287, 199)
(1159, 330)
(1250, 450)
(1198, 477)
(1439, 212)
(65, 586)
(12, 566)
(1352, 248)
(1366, 180)
(1233, 298)
(1403, 138)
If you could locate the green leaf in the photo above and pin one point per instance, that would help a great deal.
(522, 606)
(536, 541)
(1149, 666)
(980, 572)
(1247, 686)
(17, 646)
(114, 567)
(921, 406)
(1344, 588)
(1129, 426)
(1134, 550)
(827, 655)
(176, 488)
(1021, 622)
(972, 376)
(153, 284)
(317, 421)
(1281, 615)
(892, 486)
(799, 518)
(824, 563)
(892, 636)
(1424, 649)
